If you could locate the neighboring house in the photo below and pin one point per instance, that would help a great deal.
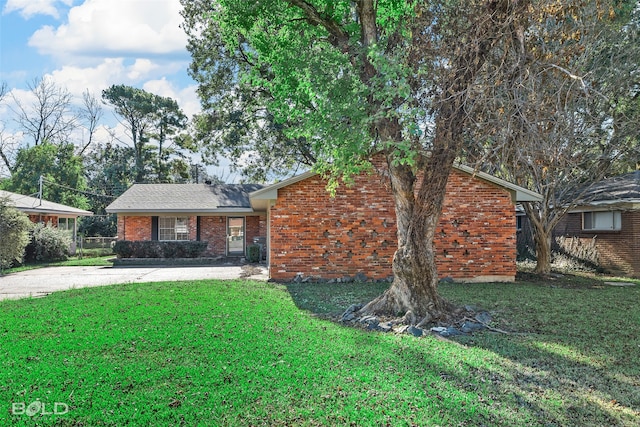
(310, 234)
(39, 210)
(218, 214)
(608, 221)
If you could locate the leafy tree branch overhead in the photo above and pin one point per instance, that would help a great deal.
(354, 78)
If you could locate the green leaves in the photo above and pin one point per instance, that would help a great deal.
(151, 117)
(62, 171)
(14, 229)
(315, 69)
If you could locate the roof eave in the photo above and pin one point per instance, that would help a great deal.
(180, 211)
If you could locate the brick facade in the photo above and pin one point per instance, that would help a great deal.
(213, 229)
(46, 219)
(617, 251)
(134, 228)
(354, 233)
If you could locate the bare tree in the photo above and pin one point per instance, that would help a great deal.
(49, 117)
(8, 144)
(554, 120)
(91, 113)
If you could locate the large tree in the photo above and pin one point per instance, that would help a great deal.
(49, 116)
(149, 117)
(354, 78)
(236, 124)
(562, 116)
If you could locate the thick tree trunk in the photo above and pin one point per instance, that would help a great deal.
(542, 240)
(419, 191)
(418, 203)
(542, 220)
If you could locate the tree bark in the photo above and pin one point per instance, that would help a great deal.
(418, 204)
(542, 241)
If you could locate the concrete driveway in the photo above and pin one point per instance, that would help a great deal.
(43, 281)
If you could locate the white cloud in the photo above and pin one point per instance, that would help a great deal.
(116, 27)
(94, 79)
(30, 8)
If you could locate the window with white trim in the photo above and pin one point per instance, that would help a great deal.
(172, 228)
(608, 220)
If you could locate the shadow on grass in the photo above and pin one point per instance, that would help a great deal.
(330, 300)
(575, 361)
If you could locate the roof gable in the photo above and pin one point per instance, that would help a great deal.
(519, 194)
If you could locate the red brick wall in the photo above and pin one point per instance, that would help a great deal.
(213, 229)
(134, 228)
(355, 234)
(618, 251)
(256, 226)
(44, 219)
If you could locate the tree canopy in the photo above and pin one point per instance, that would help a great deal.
(561, 117)
(149, 117)
(61, 169)
(353, 78)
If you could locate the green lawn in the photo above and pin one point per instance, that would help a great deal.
(251, 353)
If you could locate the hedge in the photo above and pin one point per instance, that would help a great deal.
(157, 249)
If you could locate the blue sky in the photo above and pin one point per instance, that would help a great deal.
(92, 44)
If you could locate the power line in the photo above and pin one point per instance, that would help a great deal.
(80, 191)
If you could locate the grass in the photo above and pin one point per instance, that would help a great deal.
(253, 353)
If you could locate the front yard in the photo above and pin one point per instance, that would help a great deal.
(252, 353)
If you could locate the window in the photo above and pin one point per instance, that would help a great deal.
(610, 220)
(67, 224)
(172, 228)
(519, 222)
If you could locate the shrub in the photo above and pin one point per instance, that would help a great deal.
(47, 244)
(253, 253)
(156, 249)
(14, 232)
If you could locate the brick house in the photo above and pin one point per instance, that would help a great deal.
(218, 214)
(43, 211)
(607, 222)
(308, 233)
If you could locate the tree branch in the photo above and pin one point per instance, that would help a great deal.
(339, 37)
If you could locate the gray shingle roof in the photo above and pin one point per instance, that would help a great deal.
(621, 188)
(201, 198)
(34, 205)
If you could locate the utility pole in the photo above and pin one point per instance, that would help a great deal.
(40, 190)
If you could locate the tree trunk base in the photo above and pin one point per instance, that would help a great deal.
(389, 306)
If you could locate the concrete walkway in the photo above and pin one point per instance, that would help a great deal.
(43, 281)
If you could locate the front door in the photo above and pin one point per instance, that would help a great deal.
(235, 236)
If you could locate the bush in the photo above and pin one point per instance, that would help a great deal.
(253, 253)
(47, 244)
(156, 249)
(98, 225)
(14, 234)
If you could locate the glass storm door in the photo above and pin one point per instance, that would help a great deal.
(235, 236)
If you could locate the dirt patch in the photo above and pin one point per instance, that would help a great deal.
(249, 270)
